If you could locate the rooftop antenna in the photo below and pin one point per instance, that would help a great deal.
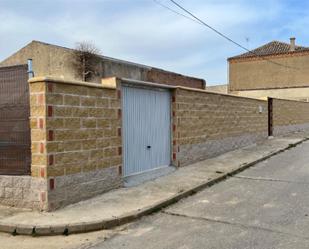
(248, 41)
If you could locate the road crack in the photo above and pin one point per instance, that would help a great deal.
(237, 224)
(268, 179)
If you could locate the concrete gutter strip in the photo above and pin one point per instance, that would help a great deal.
(82, 227)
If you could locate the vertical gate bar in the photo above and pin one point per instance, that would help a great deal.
(270, 116)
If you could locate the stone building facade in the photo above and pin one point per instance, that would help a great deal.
(276, 69)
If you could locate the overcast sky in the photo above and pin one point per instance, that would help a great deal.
(144, 32)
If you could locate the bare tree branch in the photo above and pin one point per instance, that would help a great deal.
(86, 59)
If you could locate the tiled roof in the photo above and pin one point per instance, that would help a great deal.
(271, 48)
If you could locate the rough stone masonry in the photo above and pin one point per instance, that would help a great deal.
(207, 124)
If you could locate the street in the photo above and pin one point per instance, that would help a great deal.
(266, 206)
(263, 207)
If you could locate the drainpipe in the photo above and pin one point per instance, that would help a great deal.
(30, 69)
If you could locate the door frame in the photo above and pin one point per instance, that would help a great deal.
(153, 88)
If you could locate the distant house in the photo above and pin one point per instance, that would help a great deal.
(276, 69)
(217, 89)
(53, 60)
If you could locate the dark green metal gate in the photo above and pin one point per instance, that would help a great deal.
(15, 142)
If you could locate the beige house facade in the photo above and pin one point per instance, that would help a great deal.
(276, 69)
(217, 89)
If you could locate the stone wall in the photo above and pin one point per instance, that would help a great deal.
(289, 116)
(169, 78)
(78, 150)
(23, 191)
(208, 124)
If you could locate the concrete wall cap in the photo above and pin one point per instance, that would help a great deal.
(289, 100)
(112, 84)
(67, 81)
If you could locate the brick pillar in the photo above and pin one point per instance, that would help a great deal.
(175, 144)
(38, 137)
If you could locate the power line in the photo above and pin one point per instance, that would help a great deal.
(176, 12)
(198, 20)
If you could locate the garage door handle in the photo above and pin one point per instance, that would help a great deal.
(148, 147)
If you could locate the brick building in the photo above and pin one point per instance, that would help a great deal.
(276, 69)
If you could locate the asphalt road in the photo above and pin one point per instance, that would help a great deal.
(264, 207)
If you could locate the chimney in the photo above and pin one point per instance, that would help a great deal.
(292, 44)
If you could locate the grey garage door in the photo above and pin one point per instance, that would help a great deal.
(146, 128)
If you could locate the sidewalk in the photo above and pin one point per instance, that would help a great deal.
(124, 205)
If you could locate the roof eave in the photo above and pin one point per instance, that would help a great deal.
(267, 55)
